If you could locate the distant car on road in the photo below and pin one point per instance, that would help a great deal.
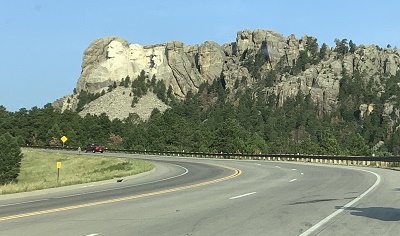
(94, 148)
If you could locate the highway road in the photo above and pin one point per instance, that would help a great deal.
(190, 196)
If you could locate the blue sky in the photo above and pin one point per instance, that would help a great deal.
(42, 41)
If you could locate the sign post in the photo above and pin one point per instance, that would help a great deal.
(64, 139)
(58, 170)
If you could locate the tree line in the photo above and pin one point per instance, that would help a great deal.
(216, 119)
(207, 122)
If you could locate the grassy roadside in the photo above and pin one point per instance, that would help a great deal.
(39, 170)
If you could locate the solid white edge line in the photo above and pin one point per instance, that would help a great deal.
(100, 191)
(18, 203)
(328, 218)
(112, 189)
(243, 195)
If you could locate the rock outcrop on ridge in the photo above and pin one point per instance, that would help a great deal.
(185, 67)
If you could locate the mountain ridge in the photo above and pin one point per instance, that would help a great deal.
(300, 66)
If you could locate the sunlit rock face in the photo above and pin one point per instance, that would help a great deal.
(104, 61)
(184, 68)
(113, 59)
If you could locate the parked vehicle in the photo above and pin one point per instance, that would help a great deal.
(94, 148)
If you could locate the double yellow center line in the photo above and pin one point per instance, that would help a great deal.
(236, 172)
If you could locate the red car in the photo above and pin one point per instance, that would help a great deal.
(94, 148)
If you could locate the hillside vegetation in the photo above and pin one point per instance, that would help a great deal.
(304, 98)
(208, 121)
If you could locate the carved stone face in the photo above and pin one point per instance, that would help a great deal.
(136, 52)
(156, 57)
(115, 49)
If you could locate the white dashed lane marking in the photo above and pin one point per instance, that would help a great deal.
(243, 195)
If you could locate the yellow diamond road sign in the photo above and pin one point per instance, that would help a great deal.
(64, 139)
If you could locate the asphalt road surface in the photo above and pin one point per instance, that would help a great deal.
(189, 196)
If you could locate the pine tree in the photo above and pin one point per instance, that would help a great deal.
(10, 159)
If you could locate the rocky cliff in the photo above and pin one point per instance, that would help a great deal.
(184, 67)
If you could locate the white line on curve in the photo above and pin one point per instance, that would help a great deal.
(292, 180)
(112, 189)
(328, 218)
(18, 203)
(99, 191)
(243, 195)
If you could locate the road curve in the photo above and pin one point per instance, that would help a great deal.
(249, 198)
(171, 176)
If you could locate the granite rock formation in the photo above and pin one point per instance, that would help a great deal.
(185, 67)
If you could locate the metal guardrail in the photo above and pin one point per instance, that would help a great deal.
(381, 161)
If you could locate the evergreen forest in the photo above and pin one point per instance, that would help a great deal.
(196, 124)
(216, 120)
